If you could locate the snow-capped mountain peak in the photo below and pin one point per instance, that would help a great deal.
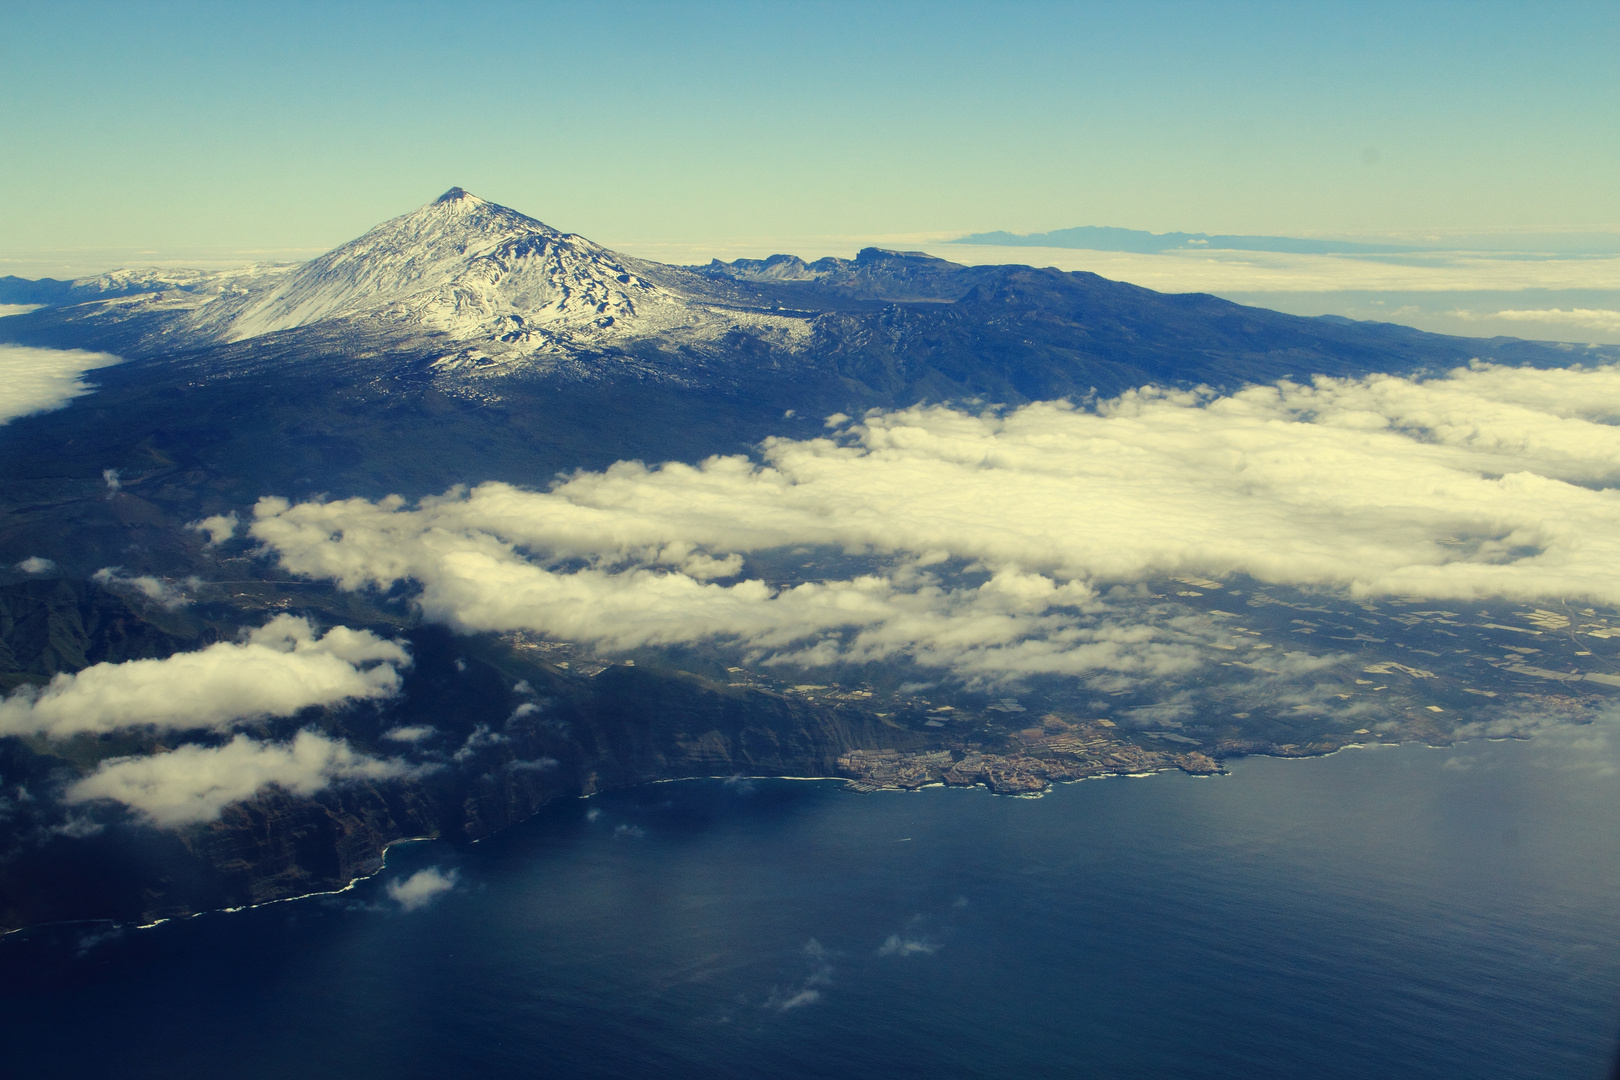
(498, 287)
(459, 264)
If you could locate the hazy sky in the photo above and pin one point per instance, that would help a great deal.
(172, 126)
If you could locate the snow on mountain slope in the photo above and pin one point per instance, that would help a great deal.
(203, 283)
(459, 264)
(496, 290)
(501, 282)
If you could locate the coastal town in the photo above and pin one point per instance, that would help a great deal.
(1288, 673)
(1402, 671)
(1055, 752)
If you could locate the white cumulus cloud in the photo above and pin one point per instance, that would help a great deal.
(279, 669)
(38, 380)
(413, 733)
(1489, 481)
(194, 783)
(421, 888)
(218, 528)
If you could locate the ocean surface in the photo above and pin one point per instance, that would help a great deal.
(1392, 913)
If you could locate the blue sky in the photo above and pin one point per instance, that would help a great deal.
(177, 126)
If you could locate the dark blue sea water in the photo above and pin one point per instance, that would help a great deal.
(1394, 913)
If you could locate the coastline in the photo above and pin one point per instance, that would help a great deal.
(849, 783)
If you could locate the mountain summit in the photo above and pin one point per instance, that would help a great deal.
(463, 291)
(468, 268)
(489, 289)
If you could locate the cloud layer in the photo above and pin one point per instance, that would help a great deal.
(37, 380)
(1602, 319)
(1223, 271)
(194, 783)
(279, 669)
(1490, 481)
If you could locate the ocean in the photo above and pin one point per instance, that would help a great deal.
(1408, 912)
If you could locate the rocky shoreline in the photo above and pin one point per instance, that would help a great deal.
(1058, 751)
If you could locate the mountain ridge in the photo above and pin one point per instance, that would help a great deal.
(401, 344)
(479, 290)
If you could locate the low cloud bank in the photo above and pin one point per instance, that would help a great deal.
(38, 380)
(1224, 272)
(279, 669)
(1489, 481)
(194, 783)
(1603, 319)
